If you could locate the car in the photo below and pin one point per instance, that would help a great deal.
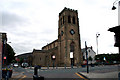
(12, 64)
(15, 65)
(24, 65)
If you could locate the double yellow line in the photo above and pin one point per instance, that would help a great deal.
(81, 76)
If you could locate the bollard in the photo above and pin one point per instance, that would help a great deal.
(35, 76)
(65, 66)
(35, 70)
(48, 66)
(119, 72)
(71, 65)
(56, 66)
(119, 76)
(53, 64)
(77, 66)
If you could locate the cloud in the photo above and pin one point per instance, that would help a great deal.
(11, 20)
(34, 23)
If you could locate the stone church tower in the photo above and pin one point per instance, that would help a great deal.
(69, 38)
(68, 43)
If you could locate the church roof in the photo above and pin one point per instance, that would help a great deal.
(44, 51)
(83, 50)
(39, 51)
(50, 43)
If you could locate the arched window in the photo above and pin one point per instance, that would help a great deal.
(62, 33)
(73, 19)
(69, 19)
(72, 47)
(63, 19)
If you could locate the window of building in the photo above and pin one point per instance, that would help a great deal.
(63, 19)
(69, 19)
(72, 47)
(62, 33)
(73, 19)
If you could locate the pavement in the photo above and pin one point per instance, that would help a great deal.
(94, 76)
(101, 75)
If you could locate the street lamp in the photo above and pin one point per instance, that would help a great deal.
(113, 8)
(97, 35)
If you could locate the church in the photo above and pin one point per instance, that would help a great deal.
(66, 50)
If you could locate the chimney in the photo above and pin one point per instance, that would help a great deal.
(91, 47)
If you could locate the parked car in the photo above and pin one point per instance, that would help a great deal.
(12, 64)
(15, 65)
(24, 65)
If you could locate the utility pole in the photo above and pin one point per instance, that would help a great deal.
(0, 56)
(87, 57)
(97, 35)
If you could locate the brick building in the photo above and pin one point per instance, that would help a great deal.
(58, 51)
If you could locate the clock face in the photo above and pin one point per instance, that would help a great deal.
(72, 32)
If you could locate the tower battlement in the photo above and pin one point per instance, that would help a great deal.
(67, 9)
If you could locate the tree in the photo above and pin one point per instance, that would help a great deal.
(21, 60)
(109, 57)
(10, 54)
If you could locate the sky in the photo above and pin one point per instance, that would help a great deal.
(32, 24)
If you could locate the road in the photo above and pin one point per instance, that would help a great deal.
(27, 73)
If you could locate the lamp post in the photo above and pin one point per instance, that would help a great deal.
(0, 56)
(53, 58)
(3, 53)
(116, 2)
(97, 35)
(86, 57)
(114, 7)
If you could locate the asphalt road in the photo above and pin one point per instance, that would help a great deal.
(69, 74)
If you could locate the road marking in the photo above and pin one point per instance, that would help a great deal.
(23, 77)
(81, 76)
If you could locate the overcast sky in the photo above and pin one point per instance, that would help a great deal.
(31, 24)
